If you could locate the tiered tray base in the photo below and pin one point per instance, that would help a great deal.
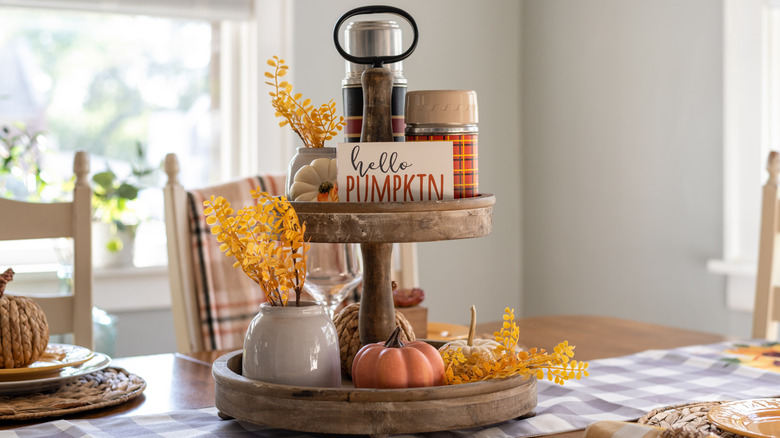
(348, 410)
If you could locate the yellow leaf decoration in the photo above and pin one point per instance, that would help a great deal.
(266, 240)
(557, 365)
(313, 125)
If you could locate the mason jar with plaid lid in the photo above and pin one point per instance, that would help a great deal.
(448, 115)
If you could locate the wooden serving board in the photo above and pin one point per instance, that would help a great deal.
(348, 410)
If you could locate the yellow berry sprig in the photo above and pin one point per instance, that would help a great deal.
(534, 362)
(314, 125)
(266, 240)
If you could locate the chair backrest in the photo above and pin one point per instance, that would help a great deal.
(766, 312)
(212, 302)
(30, 220)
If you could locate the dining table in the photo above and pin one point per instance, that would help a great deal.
(184, 381)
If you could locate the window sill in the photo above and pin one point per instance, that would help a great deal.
(115, 290)
(740, 282)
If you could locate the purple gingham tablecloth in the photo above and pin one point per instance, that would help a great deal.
(620, 389)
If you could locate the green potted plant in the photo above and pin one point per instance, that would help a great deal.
(20, 167)
(114, 214)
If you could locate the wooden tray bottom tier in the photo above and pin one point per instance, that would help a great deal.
(348, 410)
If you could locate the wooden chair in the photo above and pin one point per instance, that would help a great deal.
(212, 302)
(28, 220)
(766, 312)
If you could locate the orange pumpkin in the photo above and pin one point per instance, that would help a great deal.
(393, 364)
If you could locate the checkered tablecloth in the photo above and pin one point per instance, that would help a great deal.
(619, 389)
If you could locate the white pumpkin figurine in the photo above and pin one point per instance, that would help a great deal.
(316, 182)
(485, 348)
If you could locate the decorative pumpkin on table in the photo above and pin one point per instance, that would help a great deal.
(24, 331)
(465, 364)
(393, 364)
(487, 349)
(349, 333)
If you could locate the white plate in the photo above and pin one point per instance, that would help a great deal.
(96, 363)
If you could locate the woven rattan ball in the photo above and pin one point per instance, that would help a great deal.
(24, 332)
(349, 334)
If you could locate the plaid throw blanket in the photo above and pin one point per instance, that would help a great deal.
(227, 298)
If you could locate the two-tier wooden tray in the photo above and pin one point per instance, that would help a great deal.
(348, 410)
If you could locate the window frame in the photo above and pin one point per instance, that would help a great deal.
(206, 10)
(747, 138)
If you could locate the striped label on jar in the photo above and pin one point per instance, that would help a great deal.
(353, 112)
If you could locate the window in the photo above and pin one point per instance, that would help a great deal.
(175, 75)
(126, 88)
(751, 129)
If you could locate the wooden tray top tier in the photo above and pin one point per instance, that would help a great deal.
(393, 222)
(376, 226)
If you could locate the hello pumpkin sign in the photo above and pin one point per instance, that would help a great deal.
(395, 171)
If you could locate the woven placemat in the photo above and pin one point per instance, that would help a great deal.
(688, 415)
(107, 387)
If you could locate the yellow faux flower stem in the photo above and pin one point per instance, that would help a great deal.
(313, 125)
(266, 240)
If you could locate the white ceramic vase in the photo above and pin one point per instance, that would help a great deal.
(292, 345)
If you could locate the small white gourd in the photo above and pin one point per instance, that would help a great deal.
(485, 348)
(315, 179)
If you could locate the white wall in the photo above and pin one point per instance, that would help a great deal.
(622, 160)
(462, 45)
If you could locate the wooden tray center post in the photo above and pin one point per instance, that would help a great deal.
(376, 319)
